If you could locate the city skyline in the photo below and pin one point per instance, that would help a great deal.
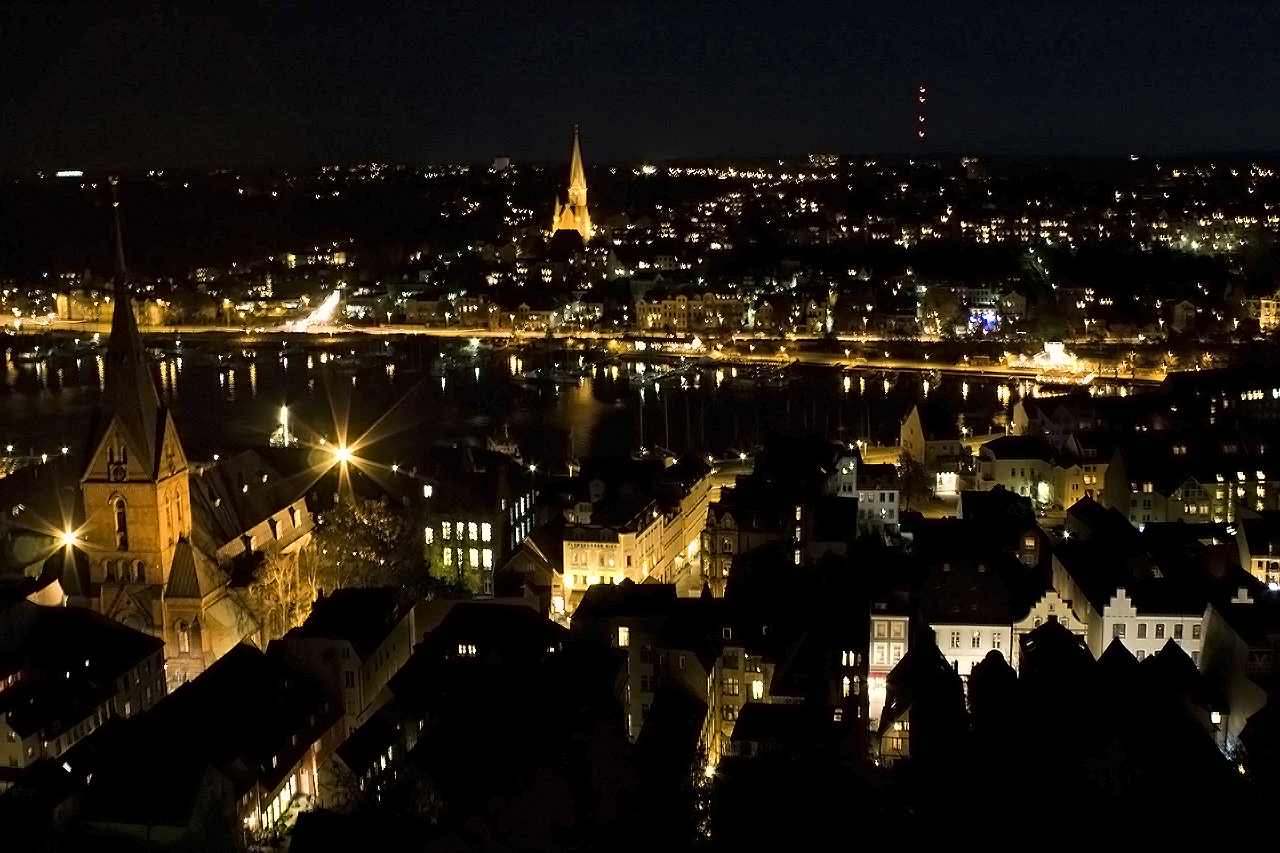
(138, 86)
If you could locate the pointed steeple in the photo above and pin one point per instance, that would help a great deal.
(577, 176)
(573, 215)
(130, 399)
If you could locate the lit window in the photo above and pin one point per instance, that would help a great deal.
(844, 686)
(624, 636)
(955, 639)
(446, 530)
(487, 558)
(474, 554)
(730, 686)
(466, 650)
(1117, 630)
(976, 640)
(428, 534)
(486, 532)
(473, 531)
(757, 690)
(448, 556)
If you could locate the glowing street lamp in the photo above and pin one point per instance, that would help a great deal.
(68, 538)
(342, 454)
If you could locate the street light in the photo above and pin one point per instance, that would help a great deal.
(342, 454)
(68, 538)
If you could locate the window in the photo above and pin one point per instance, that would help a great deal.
(976, 640)
(486, 532)
(446, 530)
(474, 554)
(428, 534)
(730, 686)
(473, 531)
(1141, 655)
(1117, 630)
(995, 640)
(448, 554)
(184, 638)
(122, 526)
(897, 630)
(1195, 631)
(757, 690)
(1142, 630)
(895, 653)
(729, 660)
(955, 639)
(845, 684)
(1177, 631)
(879, 653)
(881, 629)
(486, 558)
(624, 636)
(1159, 630)
(729, 713)
(797, 513)
(466, 650)
(646, 684)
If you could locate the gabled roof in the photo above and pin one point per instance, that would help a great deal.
(47, 642)
(363, 616)
(231, 497)
(1018, 447)
(193, 574)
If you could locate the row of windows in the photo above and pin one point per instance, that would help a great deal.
(894, 629)
(975, 640)
(476, 558)
(1119, 630)
(124, 570)
(482, 532)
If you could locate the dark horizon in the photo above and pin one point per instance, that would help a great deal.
(203, 84)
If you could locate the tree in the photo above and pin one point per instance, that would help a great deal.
(280, 594)
(914, 479)
(364, 543)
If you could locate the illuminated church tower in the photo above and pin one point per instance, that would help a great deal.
(135, 485)
(142, 568)
(573, 216)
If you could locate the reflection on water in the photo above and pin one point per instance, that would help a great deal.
(552, 404)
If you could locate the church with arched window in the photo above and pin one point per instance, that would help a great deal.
(160, 537)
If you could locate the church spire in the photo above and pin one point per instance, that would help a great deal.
(577, 176)
(129, 393)
(573, 216)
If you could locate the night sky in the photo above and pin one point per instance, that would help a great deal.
(134, 85)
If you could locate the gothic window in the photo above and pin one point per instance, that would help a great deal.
(109, 569)
(122, 526)
(139, 571)
(184, 638)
